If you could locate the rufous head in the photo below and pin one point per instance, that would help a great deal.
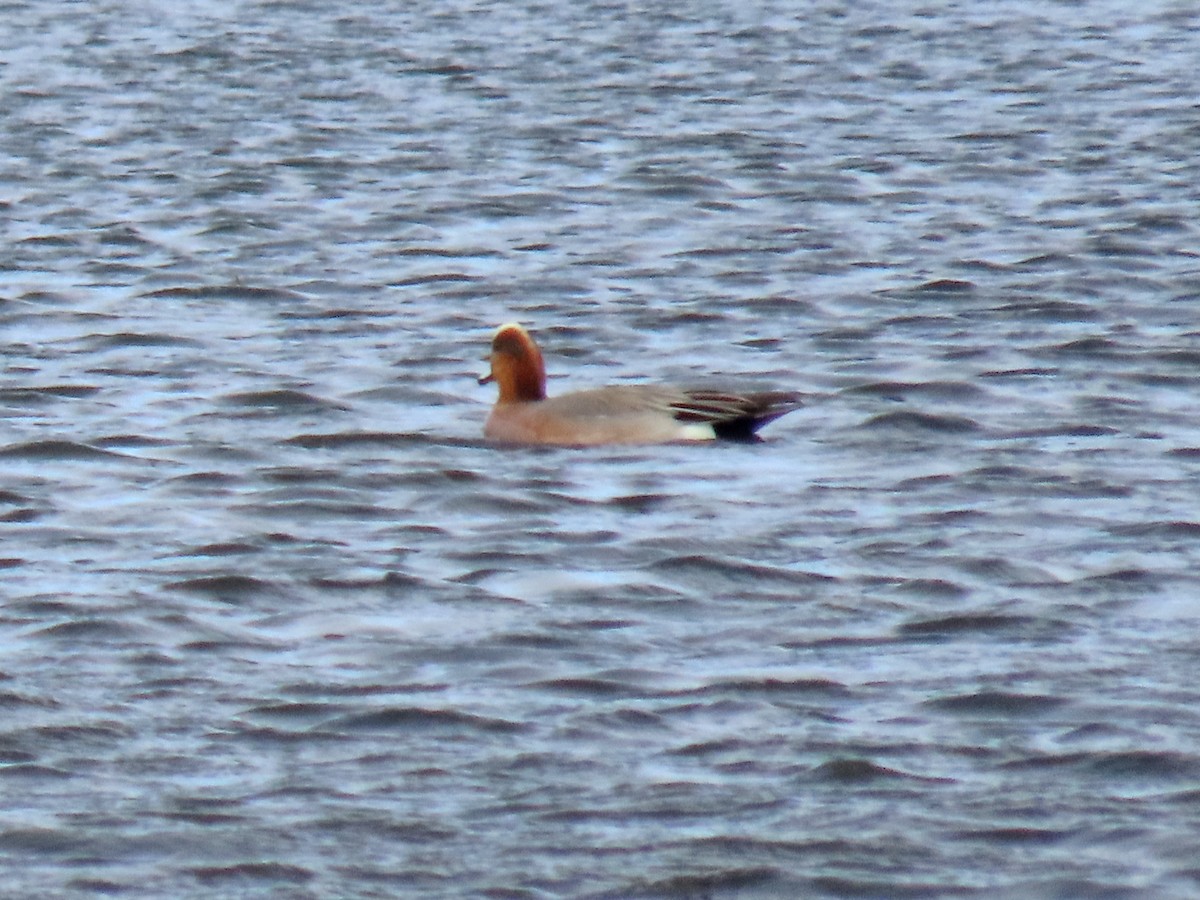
(517, 366)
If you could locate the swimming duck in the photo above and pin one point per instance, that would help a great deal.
(619, 414)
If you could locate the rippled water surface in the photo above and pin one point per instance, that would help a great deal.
(276, 622)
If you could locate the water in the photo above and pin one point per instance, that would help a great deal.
(276, 622)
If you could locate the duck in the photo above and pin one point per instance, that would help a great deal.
(617, 414)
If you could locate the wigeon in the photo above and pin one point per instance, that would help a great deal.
(625, 414)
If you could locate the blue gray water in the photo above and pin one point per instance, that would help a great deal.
(276, 622)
